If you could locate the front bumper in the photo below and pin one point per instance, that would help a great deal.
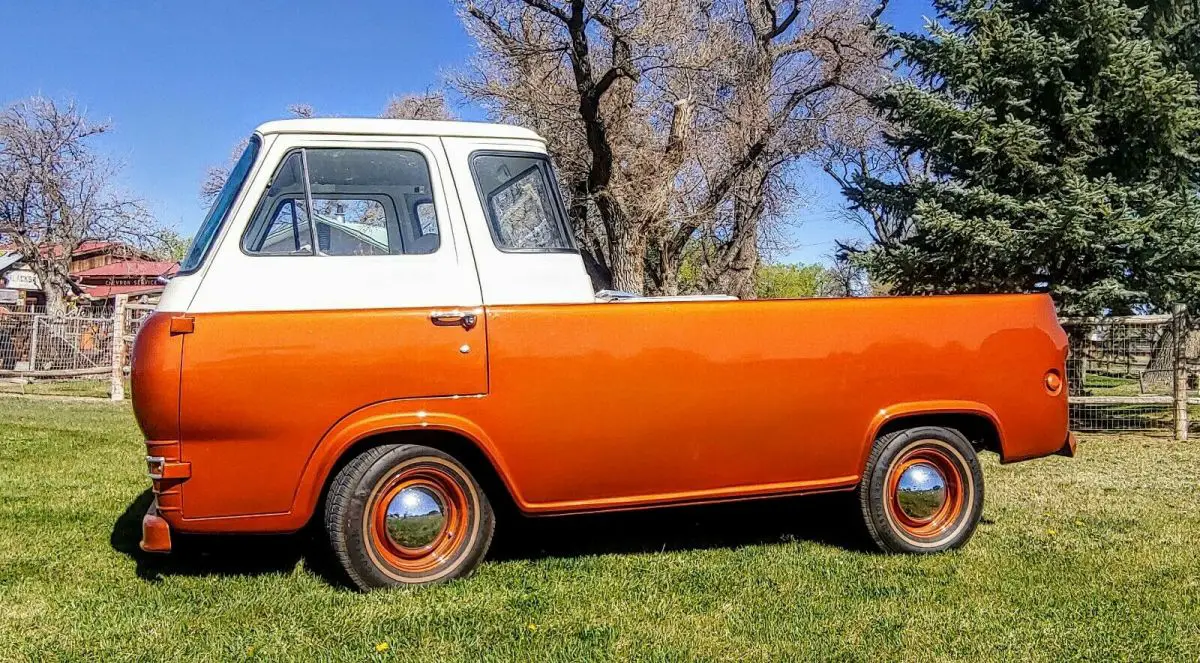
(156, 532)
(167, 474)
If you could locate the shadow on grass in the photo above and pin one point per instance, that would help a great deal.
(233, 554)
(832, 519)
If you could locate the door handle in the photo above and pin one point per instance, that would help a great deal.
(454, 318)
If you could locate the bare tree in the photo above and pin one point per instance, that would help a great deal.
(607, 85)
(848, 279)
(171, 246)
(793, 81)
(672, 122)
(56, 193)
(302, 111)
(430, 105)
(882, 212)
(214, 178)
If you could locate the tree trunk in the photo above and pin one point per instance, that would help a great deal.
(55, 303)
(669, 284)
(740, 277)
(589, 245)
(55, 290)
(596, 271)
(662, 269)
(735, 269)
(1159, 373)
(1077, 357)
(627, 258)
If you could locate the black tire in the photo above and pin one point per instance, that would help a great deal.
(888, 510)
(363, 539)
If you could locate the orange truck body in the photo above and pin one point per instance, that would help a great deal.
(584, 407)
(393, 317)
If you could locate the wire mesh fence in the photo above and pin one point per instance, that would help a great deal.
(80, 353)
(1133, 373)
(40, 345)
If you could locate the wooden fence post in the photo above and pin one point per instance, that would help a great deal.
(33, 342)
(116, 388)
(1180, 392)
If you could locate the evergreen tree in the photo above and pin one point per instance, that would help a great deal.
(1062, 142)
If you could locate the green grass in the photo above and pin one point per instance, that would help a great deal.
(82, 388)
(1106, 385)
(1090, 558)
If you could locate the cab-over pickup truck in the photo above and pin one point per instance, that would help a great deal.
(385, 326)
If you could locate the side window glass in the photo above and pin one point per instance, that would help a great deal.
(280, 225)
(360, 200)
(352, 227)
(517, 195)
(426, 217)
(288, 231)
(425, 227)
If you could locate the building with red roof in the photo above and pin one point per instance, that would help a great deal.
(100, 271)
(134, 278)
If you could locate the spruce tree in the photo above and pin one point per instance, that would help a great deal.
(1062, 142)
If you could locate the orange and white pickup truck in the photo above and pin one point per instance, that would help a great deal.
(385, 326)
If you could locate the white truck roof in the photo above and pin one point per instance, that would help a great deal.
(377, 126)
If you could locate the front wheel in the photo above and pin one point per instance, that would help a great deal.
(922, 490)
(405, 514)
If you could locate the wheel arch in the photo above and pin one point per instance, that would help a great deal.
(450, 434)
(976, 421)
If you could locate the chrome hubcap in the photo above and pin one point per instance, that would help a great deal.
(921, 492)
(415, 517)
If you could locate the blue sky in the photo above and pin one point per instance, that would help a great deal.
(183, 82)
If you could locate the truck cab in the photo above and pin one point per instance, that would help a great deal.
(386, 325)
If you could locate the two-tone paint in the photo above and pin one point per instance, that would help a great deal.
(258, 375)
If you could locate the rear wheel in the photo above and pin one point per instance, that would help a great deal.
(922, 491)
(407, 515)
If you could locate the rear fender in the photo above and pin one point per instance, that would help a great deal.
(900, 411)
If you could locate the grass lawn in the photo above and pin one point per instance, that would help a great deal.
(1091, 558)
(83, 388)
(1104, 385)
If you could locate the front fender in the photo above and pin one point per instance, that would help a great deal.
(380, 418)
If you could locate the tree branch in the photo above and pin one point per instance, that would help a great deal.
(780, 28)
(547, 7)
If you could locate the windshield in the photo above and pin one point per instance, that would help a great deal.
(216, 215)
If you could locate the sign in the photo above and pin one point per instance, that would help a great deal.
(22, 279)
(9, 296)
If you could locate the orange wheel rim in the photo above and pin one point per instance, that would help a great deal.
(418, 519)
(925, 491)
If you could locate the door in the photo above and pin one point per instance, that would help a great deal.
(345, 281)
